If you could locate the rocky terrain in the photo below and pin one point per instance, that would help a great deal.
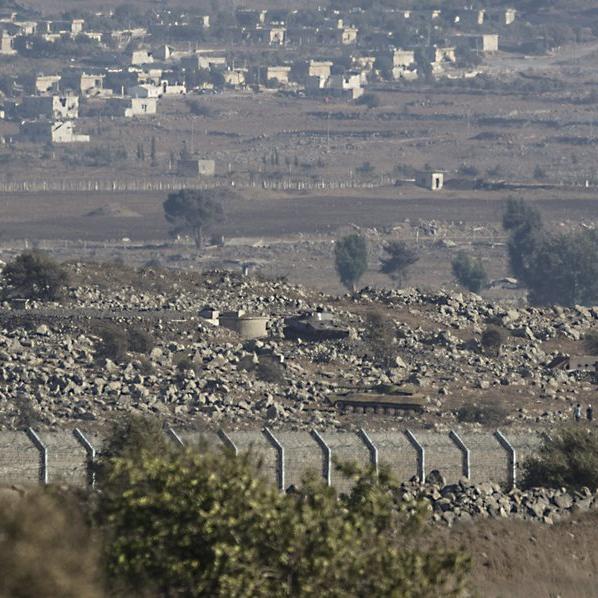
(465, 501)
(198, 375)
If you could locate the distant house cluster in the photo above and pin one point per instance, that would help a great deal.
(147, 66)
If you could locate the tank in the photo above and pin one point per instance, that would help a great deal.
(387, 399)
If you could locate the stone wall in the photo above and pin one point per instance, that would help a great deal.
(28, 457)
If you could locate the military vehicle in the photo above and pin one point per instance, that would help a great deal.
(388, 399)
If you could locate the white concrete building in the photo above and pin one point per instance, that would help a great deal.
(54, 108)
(48, 132)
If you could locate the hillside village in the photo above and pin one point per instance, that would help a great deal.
(128, 71)
(298, 297)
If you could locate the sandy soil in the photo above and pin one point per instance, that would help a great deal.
(525, 560)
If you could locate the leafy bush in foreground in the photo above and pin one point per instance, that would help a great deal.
(46, 548)
(194, 523)
(204, 524)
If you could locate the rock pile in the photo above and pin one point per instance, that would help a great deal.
(50, 369)
(464, 501)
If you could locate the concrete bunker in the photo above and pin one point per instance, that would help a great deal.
(246, 325)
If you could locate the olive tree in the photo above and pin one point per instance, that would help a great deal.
(351, 259)
(469, 272)
(194, 211)
(35, 275)
(399, 258)
(556, 268)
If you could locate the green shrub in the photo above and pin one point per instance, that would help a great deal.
(469, 273)
(204, 524)
(370, 100)
(556, 268)
(114, 341)
(35, 275)
(351, 259)
(139, 340)
(195, 211)
(97, 157)
(270, 370)
(198, 108)
(468, 170)
(118, 340)
(398, 260)
(131, 436)
(568, 458)
(145, 366)
(492, 340)
(184, 363)
(488, 414)
(365, 168)
(563, 269)
(27, 416)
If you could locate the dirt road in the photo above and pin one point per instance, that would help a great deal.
(54, 217)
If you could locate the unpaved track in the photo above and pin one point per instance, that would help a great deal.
(62, 216)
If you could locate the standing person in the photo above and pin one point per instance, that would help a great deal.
(577, 412)
(590, 413)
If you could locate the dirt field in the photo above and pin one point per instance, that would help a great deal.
(66, 216)
(282, 235)
(521, 560)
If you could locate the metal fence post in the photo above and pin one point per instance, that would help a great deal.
(512, 457)
(371, 448)
(228, 442)
(175, 437)
(327, 452)
(464, 451)
(421, 455)
(43, 454)
(280, 457)
(91, 456)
